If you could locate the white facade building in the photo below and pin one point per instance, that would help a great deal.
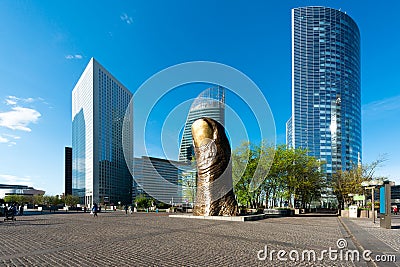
(21, 190)
(100, 173)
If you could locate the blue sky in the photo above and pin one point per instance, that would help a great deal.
(46, 45)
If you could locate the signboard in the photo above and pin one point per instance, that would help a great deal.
(359, 198)
(382, 206)
(353, 211)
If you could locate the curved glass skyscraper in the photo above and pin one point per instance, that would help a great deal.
(210, 103)
(326, 109)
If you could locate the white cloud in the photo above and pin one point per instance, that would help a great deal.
(11, 144)
(13, 136)
(5, 139)
(382, 106)
(19, 118)
(15, 180)
(76, 56)
(124, 17)
(13, 100)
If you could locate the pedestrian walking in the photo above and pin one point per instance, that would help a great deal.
(94, 210)
(126, 209)
(13, 209)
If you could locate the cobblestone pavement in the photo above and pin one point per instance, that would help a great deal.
(383, 243)
(116, 239)
(390, 237)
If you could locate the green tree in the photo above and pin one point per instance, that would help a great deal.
(276, 181)
(244, 160)
(349, 181)
(283, 175)
(293, 176)
(142, 201)
(308, 179)
(188, 182)
(38, 200)
(250, 165)
(14, 199)
(70, 200)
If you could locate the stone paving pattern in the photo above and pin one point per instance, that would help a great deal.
(149, 239)
(389, 237)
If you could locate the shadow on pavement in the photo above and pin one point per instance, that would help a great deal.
(317, 215)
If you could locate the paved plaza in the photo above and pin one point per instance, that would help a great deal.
(150, 239)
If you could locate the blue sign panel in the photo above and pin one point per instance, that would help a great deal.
(382, 206)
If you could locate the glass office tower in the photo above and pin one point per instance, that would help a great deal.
(326, 109)
(149, 174)
(99, 170)
(210, 103)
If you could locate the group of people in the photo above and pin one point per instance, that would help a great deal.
(16, 209)
(95, 209)
(128, 209)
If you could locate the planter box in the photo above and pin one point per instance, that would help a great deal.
(279, 212)
(344, 213)
(370, 214)
(363, 213)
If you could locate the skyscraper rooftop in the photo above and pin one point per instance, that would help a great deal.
(210, 103)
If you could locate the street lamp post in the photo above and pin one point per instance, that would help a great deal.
(373, 202)
(172, 204)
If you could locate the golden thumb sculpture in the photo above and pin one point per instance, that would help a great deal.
(214, 182)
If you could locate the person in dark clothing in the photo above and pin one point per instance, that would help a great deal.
(94, 210)
(126, 209)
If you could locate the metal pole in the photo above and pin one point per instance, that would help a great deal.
(373, 204)
(364, 200)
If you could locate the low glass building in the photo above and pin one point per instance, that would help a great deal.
(21, 190)
(165, 180)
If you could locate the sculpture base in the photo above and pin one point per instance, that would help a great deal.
(225, 206)
(244, 218)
